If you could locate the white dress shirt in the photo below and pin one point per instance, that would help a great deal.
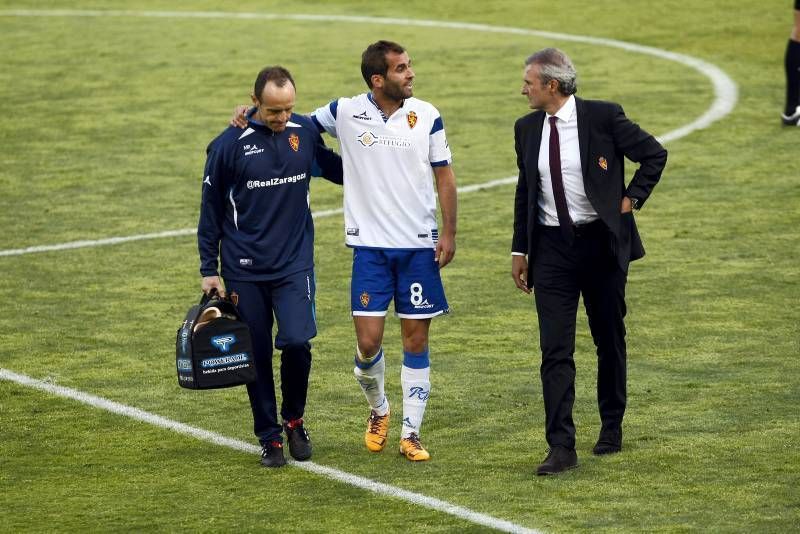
(580, 209)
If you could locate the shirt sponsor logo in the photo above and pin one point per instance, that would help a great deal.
(252, 149)
(255, 184)
(369, 139)
(362, 116)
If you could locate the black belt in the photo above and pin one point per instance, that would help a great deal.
(590, 228)
(595, 227)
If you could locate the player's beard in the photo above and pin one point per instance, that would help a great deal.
(396, 91)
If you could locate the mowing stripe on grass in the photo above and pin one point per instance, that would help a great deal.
(124, 239)
(192, 231)
(218, 439)
(725, 89)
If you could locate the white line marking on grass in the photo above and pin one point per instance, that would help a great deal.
(125, 239)
(725, 89)
(218, 439)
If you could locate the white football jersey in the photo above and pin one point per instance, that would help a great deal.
(389, 199)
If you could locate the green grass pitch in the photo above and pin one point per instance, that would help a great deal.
(103, 126)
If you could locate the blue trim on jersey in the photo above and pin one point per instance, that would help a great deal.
(333, 106)
(438, 124)
(367, 365)
(417, 360)
(383, 115)
(318, 124)
(443, 163)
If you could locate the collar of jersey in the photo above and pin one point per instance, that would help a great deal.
(383, 115)
(257, 125)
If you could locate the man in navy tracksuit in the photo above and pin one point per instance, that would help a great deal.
(255, 217)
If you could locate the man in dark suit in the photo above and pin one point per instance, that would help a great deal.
(574, 234)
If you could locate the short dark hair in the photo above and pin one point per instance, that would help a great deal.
(555, 65)
(373, 60)
(275, 74)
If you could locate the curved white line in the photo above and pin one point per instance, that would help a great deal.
(218, 439)
(725, 89)
(726, 94)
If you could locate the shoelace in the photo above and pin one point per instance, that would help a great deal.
(413, 439)
(375, 421)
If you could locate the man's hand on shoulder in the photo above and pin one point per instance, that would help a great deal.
(239, 118)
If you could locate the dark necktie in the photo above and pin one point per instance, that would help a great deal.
(560, 197)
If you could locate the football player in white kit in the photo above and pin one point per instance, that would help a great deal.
(394, 147)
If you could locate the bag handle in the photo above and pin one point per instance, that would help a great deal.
(206, 297)
(224, 303)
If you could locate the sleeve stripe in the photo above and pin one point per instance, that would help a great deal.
(443, 163)
(333, 107)
(317, 123)
(438, 124)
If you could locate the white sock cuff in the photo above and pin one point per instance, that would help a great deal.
(409, 374)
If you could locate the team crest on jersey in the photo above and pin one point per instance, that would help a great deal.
(294, 142)
(412, 119)
(234, 298)
(603, 163)
(365, 299)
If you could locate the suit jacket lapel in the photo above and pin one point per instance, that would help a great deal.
(583, 133)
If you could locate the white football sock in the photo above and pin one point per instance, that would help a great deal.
(369, 373)
(416, 389)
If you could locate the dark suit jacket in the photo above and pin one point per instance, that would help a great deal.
(605, 137)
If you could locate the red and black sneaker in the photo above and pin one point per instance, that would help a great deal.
(272, 454)
(298, 439)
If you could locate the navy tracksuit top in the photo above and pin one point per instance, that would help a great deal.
(255, 213)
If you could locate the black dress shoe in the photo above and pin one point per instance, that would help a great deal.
(299, 441)
(559, 459)
(609, 442)
(272, 454)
